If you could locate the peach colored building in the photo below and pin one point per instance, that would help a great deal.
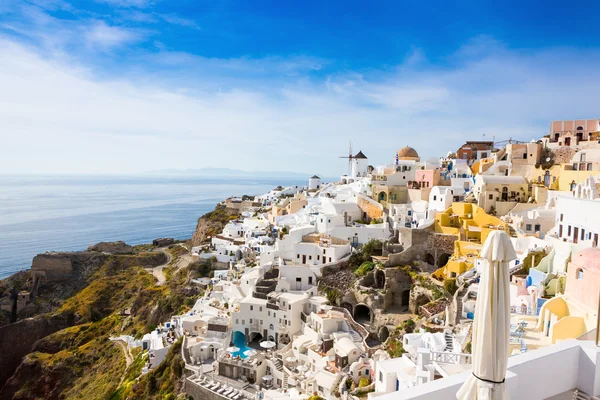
(573, 132)
(583, 278)
(426, 178)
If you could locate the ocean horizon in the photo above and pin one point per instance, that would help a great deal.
(70, 213)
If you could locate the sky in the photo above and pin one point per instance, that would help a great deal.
(128, 86)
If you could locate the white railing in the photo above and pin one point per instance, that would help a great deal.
(451, 358)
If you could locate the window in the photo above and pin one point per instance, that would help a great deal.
(318, 257)
(298, 279)
(310, 279)
(310, 257)
(582, 234)
(491, 197)
(289, 307)
(561, 217)
(525, 156)
(484, 155)
(582, 157)
(329, 259)
(409, 213)
(579, 273)
(297, 255)
(569, 231)
(589, 166)
(243, 322)
(250, 320)
(528, 227)
(271, 327)
(251, 308)
(434, 198)
(269, 313)
(260, 308)
(380, 376)
(237, 321)
(538, 228)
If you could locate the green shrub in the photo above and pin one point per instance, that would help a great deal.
(364, 268)
(364, 381)
(450, 286)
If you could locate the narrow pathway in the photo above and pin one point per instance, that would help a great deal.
(128, 358)
(158, 270)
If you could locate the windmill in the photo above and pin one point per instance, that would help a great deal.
(349, 157)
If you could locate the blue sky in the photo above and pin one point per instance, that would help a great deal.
(124, 86)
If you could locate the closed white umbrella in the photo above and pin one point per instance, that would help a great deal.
(491, 325)
(233, 349)
(250, 353)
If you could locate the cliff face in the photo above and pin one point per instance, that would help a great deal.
(212, 223)
(16, 340)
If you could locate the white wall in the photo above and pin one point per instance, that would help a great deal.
(536, 375)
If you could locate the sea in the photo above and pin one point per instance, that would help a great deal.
(70, 213)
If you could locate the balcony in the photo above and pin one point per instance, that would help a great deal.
(273, 306)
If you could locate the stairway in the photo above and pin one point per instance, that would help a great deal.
(459, 305)
(449, 341)
(285, 382)
(278, 364)
(267, 284)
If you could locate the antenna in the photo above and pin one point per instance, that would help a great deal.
(349, 157)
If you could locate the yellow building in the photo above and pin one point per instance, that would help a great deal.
(472, 225)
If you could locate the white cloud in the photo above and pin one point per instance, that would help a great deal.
(101, 35)
(58, 116)
(127, 3)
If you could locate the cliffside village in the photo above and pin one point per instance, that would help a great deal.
(289, 318)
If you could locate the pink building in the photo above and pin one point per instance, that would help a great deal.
(583, 278)
(570, 133)
(426, 178)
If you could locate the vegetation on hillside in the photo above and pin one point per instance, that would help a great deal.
(81, 362)
(362, 255)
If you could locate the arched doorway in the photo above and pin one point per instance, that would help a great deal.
(429, 259)
(362, 314)
(443, 259)
(379, 279)
(405, 297)
(547, 179)
(382, 196)
(504, 193)
(383, 334)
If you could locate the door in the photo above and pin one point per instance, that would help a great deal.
(595, 243)
(567, 141)
(575, 235)
(303, 258)
(298, 283)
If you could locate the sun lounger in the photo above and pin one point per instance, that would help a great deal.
(232, 394)
(226, 393)
(222, 390)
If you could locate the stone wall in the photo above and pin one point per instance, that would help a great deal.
(18, 339)
(430, 249)
(370, 207)
(52, 266)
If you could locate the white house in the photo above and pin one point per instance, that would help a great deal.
(314, 183)
(442, 197)
(500, 193)
(578, 219)
(316, 249)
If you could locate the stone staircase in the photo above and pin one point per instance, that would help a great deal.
(278, 364)
(267, 284)
(285, 384)
(449, 341)
(459, 304)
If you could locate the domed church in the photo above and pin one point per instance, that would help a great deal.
(407, 153)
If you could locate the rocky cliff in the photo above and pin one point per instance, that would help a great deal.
(212, 223)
